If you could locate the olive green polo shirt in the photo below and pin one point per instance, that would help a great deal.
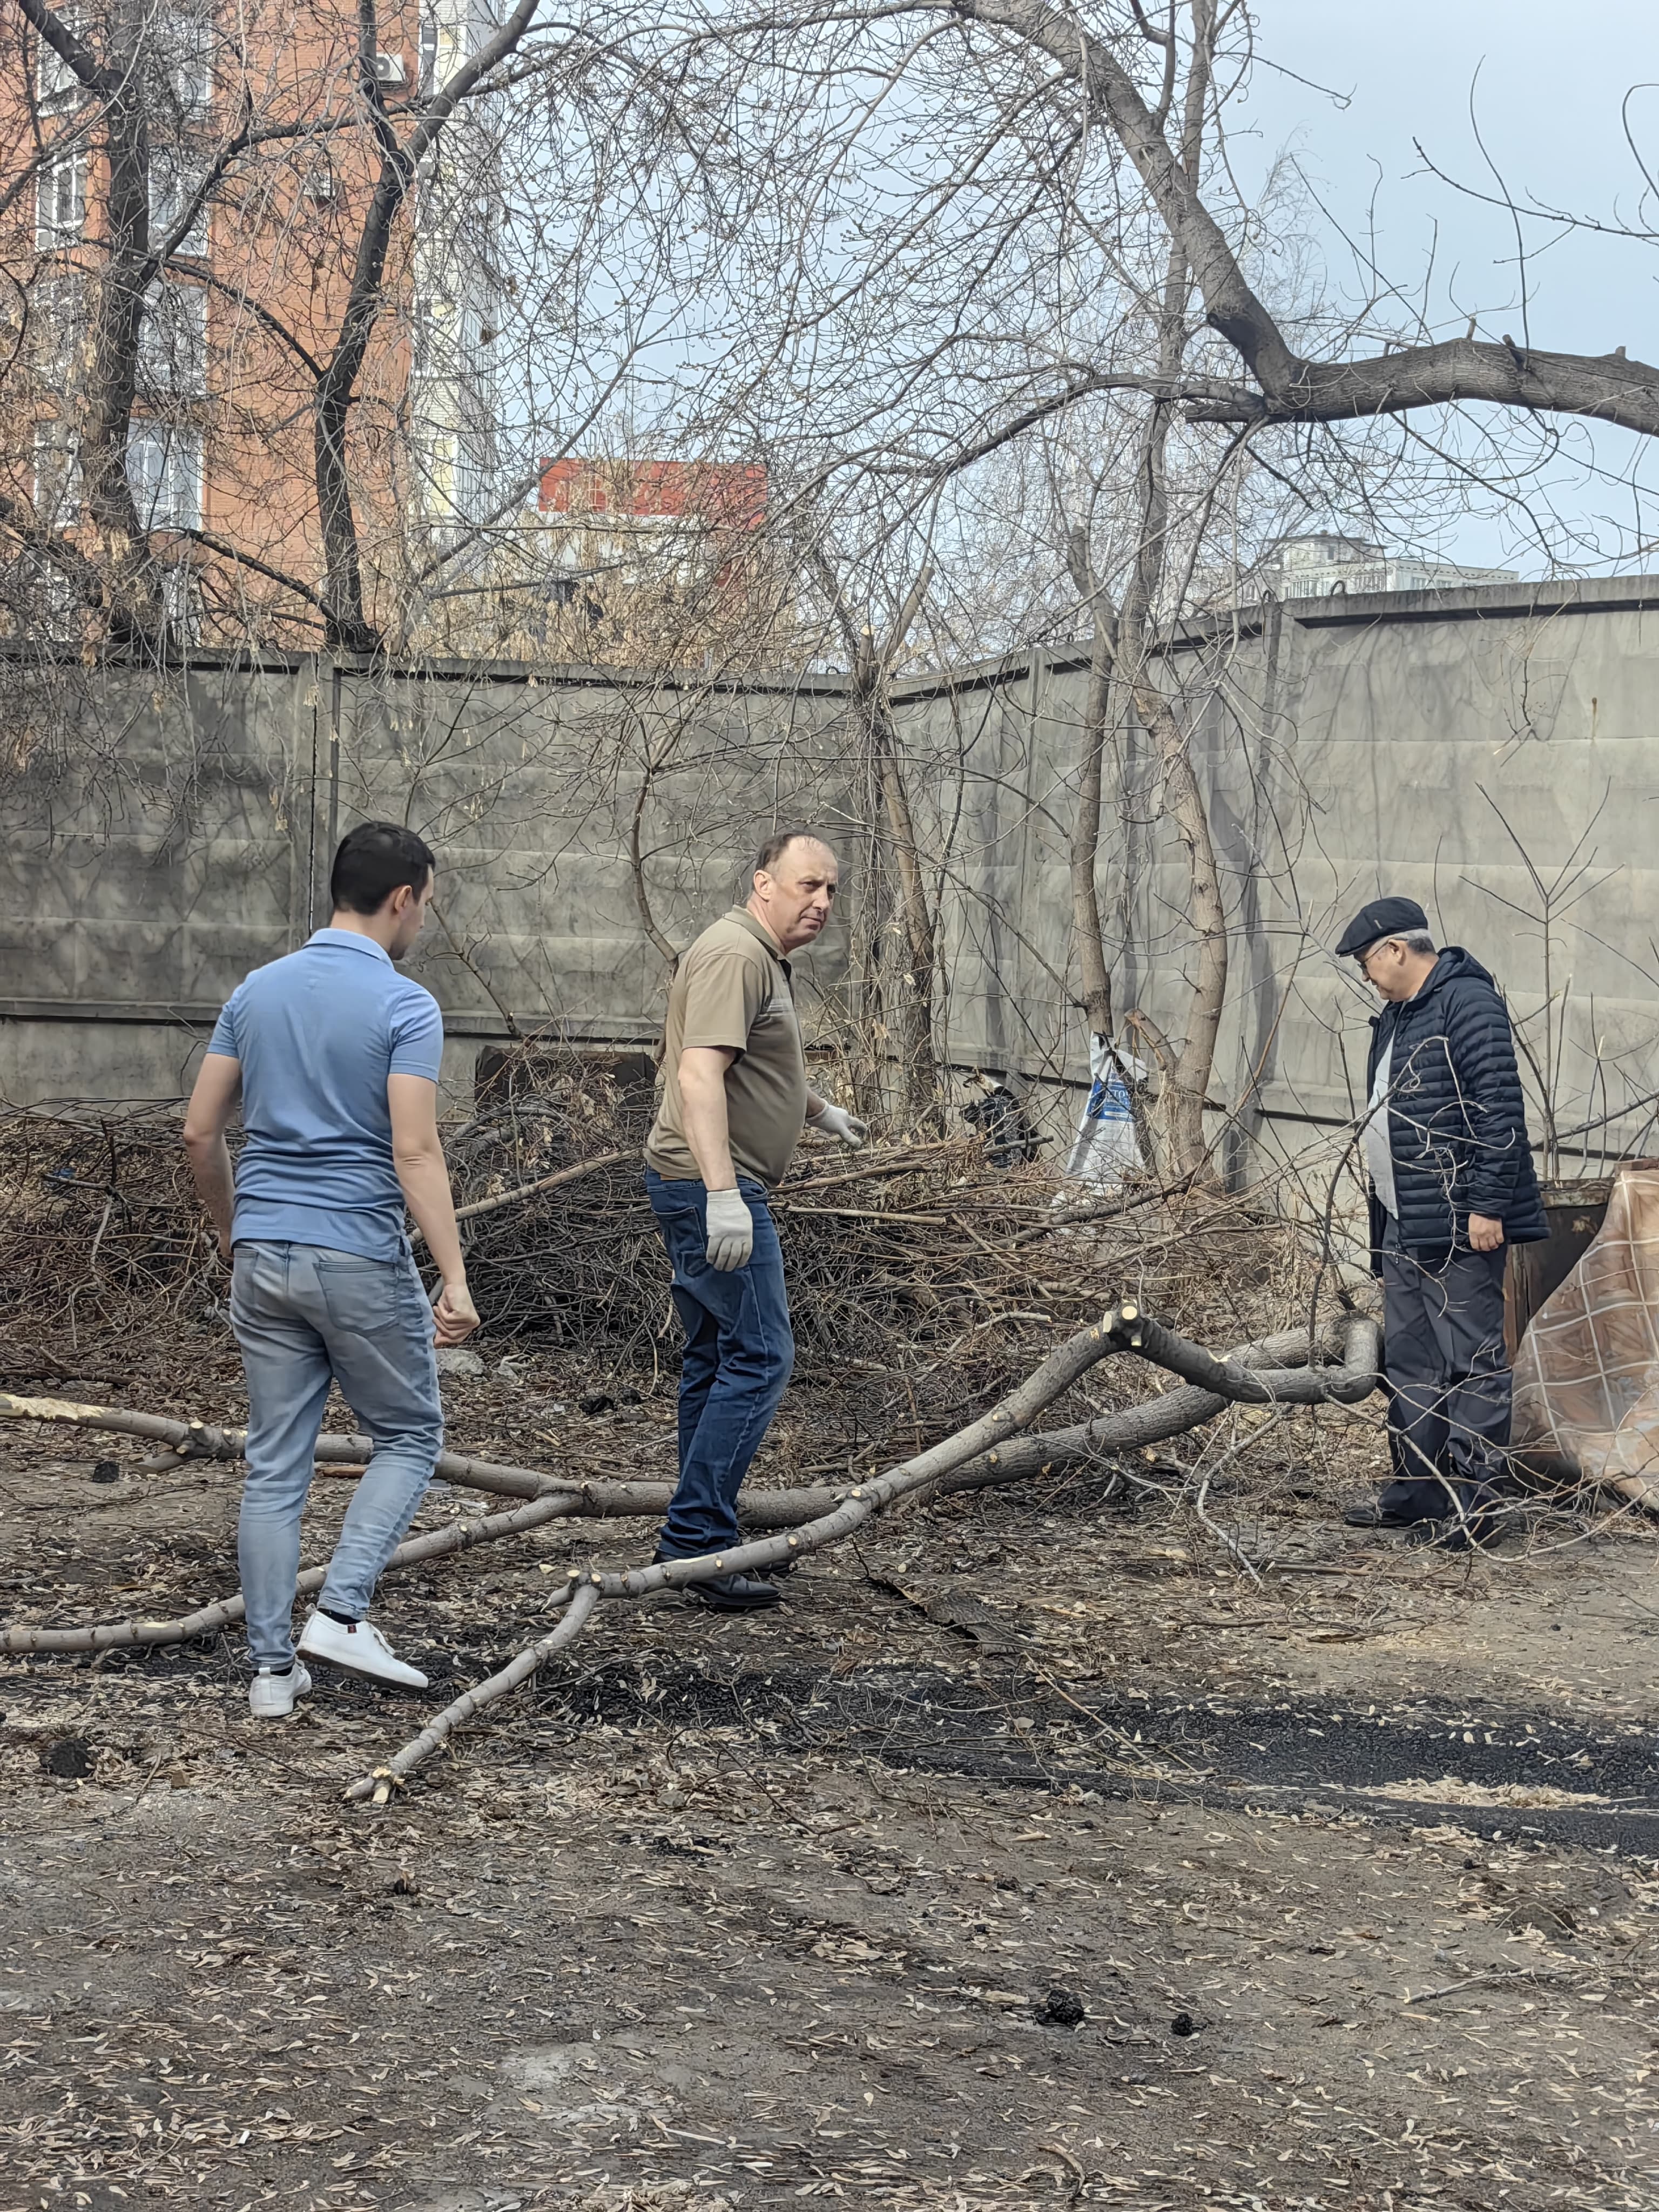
(733, 990)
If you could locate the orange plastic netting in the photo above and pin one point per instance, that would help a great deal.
(1587, 1373)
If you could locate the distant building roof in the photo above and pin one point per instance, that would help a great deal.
(726, 494)
(1323, 564)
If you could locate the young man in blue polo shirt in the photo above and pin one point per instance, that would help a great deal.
(335, 1057)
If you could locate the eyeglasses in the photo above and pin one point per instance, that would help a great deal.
(1364, 957)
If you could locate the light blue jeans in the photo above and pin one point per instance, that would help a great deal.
(306, 1316)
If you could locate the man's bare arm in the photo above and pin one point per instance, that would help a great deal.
(212, 1101)
(417, 1153)
(702, 1074)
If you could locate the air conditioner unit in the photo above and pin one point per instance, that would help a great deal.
(319, 183)
(389, 68)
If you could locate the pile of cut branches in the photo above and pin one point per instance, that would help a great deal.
(927, 1257)
(100, 1230)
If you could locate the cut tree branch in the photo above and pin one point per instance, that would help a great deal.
(977, 1457)
(534, 1189)
(1123, 1329)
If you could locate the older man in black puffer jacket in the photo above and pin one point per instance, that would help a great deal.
(1452, 1187)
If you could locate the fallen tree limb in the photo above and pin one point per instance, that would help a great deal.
(1057, 1374)
(582, 1598)
(1123, 1329)
(480, 1206)
(1228, 1379)
(764, 1509)
(1152, 1422)
(768, 1509)
(124, 1635)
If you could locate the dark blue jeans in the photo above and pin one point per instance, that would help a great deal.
(739, 1354)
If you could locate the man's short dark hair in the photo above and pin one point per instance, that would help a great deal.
(779, 843)
(374, 860)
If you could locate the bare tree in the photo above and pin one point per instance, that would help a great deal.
(146, 76)
(1284, 385)
(400, 160)
(871, 663)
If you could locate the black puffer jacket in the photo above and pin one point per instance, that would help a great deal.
(1457, 1124)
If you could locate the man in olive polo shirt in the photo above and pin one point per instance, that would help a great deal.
(734, 1101)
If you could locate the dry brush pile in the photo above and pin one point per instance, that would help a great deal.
(906, 1254)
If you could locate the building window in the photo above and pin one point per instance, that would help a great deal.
(181, 601)
(164, 467)
(56, 85)
(189, 56)
(57, 325)
(177, 63)
(172, 343)
(57, 476)
(60, 202)
(174, 181)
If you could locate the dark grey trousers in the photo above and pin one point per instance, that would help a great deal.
(1448, 1373)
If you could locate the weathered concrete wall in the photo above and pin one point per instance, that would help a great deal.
(1493, 753)
(187, 839)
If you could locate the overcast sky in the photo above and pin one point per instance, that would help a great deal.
(1547, 98)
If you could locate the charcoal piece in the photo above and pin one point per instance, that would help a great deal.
(1060, 2009)
(69, 1757)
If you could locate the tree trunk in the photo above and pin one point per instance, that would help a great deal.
(1184, 1070)
(1088, 936)
(918, 1070)
(103, 423)
(350, 629)
(868, 960)
(904, 1005)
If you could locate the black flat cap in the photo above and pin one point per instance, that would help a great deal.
(1390, 917)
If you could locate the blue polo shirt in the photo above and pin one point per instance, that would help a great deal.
(317, 1034)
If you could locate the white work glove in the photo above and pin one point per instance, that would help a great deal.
(731, 1231)
(837, 1122)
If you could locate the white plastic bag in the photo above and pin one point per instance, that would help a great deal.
(1105, 1150)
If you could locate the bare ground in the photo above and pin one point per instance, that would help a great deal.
(1030, 1856)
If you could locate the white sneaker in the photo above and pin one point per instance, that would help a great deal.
(357, 1648)
(273, 1697)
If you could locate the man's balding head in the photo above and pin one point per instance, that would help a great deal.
(795, 879)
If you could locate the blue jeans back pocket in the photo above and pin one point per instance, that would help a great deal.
(365, 1297)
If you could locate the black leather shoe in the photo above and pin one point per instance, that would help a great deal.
(1450, 1536)
(1373, 1516)
(725, 1592)
(735, 1594)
